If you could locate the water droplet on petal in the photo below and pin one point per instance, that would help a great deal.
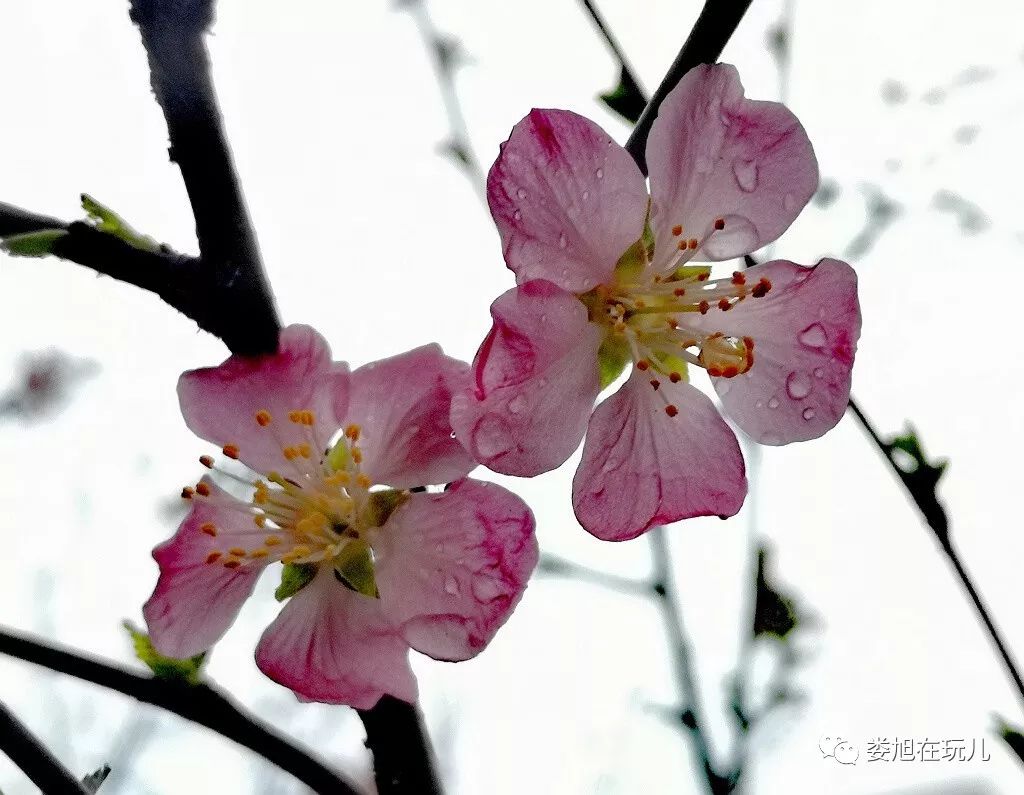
(517, 404)
(704, 165)
(486, 589)
(813, 336)
(491, 437)
(789, 202)
(451, 586)
(517, 215)
(759, 404)
(521, 193)
(600, 172)
(808, 413)
(586, 195)
(562, 240)
(798, 386)
(773, 403)
(745, 172)
(819, 372)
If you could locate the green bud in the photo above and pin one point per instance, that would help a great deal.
(163, 667)
(354, 568)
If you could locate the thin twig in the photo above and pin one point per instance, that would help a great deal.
(935, 517)
(560, 567)
(200, 704)
(403, 761)
(714, 27)
(34, 759)
(612, 42)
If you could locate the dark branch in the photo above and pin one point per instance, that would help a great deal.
(715, 25)
(35, 760)
(172, 33)
(201, 704)
(402, 758)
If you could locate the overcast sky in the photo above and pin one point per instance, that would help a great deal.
(372, 237)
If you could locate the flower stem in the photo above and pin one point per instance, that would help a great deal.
(34, 759)
(200, 704)
(403, 761)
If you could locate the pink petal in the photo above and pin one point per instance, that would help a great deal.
(452, 566)
(568, 200)
(805, 334)
(332, 645)
(642, 467)
(535, 379)
(195, 602)
(220, 403)
(713, 154)
(402, 405)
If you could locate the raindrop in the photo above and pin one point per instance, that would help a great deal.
(759, 404)
(586, 195)
(773, 403)
(517, 404)
(517, 215)
(813, 336)
(819, 372)
(600, 173)
(486, 589)
(521, 193)
(798, 385)
(451, 586)
(745, 172)
(808, 413)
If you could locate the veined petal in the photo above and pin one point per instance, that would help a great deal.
(220, 403)
(646, 464)
(452, 566)
(714, 154)
(535, 379)
(195, 600)
(333, 645)
(402, 406)
(805, 333)
(567, 199)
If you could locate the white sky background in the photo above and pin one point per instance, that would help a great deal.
(372, 237)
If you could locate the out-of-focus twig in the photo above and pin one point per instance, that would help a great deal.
(560, 567)
(200, 704)
(34, 759)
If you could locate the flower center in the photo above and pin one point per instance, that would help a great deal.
(649, 312)
(319, 508)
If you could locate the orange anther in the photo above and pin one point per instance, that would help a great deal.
(675, 378)
(761, 288)
(719, 224)
(352, 432)
(724, 304)
(263, 418)
(232, 564)
(679, 292)
(213, 557)
(260, 521)
(655, 383)
(202, 490)
(206, 461)
(209, 528)
(357, 455)
(236, 551)
(677, 230)
(187, 492)
(231, 451)
(643, 364)
(272, 541)
(704, 306)
(364, 481)
(671, 410)
(295, 416)
(730, 372)
(738, 278)
(304, 450)
(693, 243)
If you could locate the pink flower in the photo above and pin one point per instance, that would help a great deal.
(370, 571)
(605, 276)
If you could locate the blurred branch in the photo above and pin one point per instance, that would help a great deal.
(560, 567)
(34, 759)
(920, 478)
(403, 761)
(200, 704)
(445, 55)
(714, 27)
(627, 98)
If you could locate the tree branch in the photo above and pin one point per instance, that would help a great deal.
(715, 25)
(35, 760)
(403, 760)
(200, 704)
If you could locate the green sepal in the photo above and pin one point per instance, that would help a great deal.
(632, 263)
(294, 577)
(106, 220)
(612, 356)
(32, 244)
(354, 568)
(626, 98)
(163, 667)
(339, 456)
(381, 504)
(1012, 736)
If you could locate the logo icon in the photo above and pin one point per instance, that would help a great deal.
(835, 747)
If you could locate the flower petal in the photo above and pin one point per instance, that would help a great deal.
(713, 154)
(402, 405)
(642, 467)
(452, 566)
(332, 645)
(195, 602)
(535, 379)
(805, 334)
(567, 199)
(220, 403)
